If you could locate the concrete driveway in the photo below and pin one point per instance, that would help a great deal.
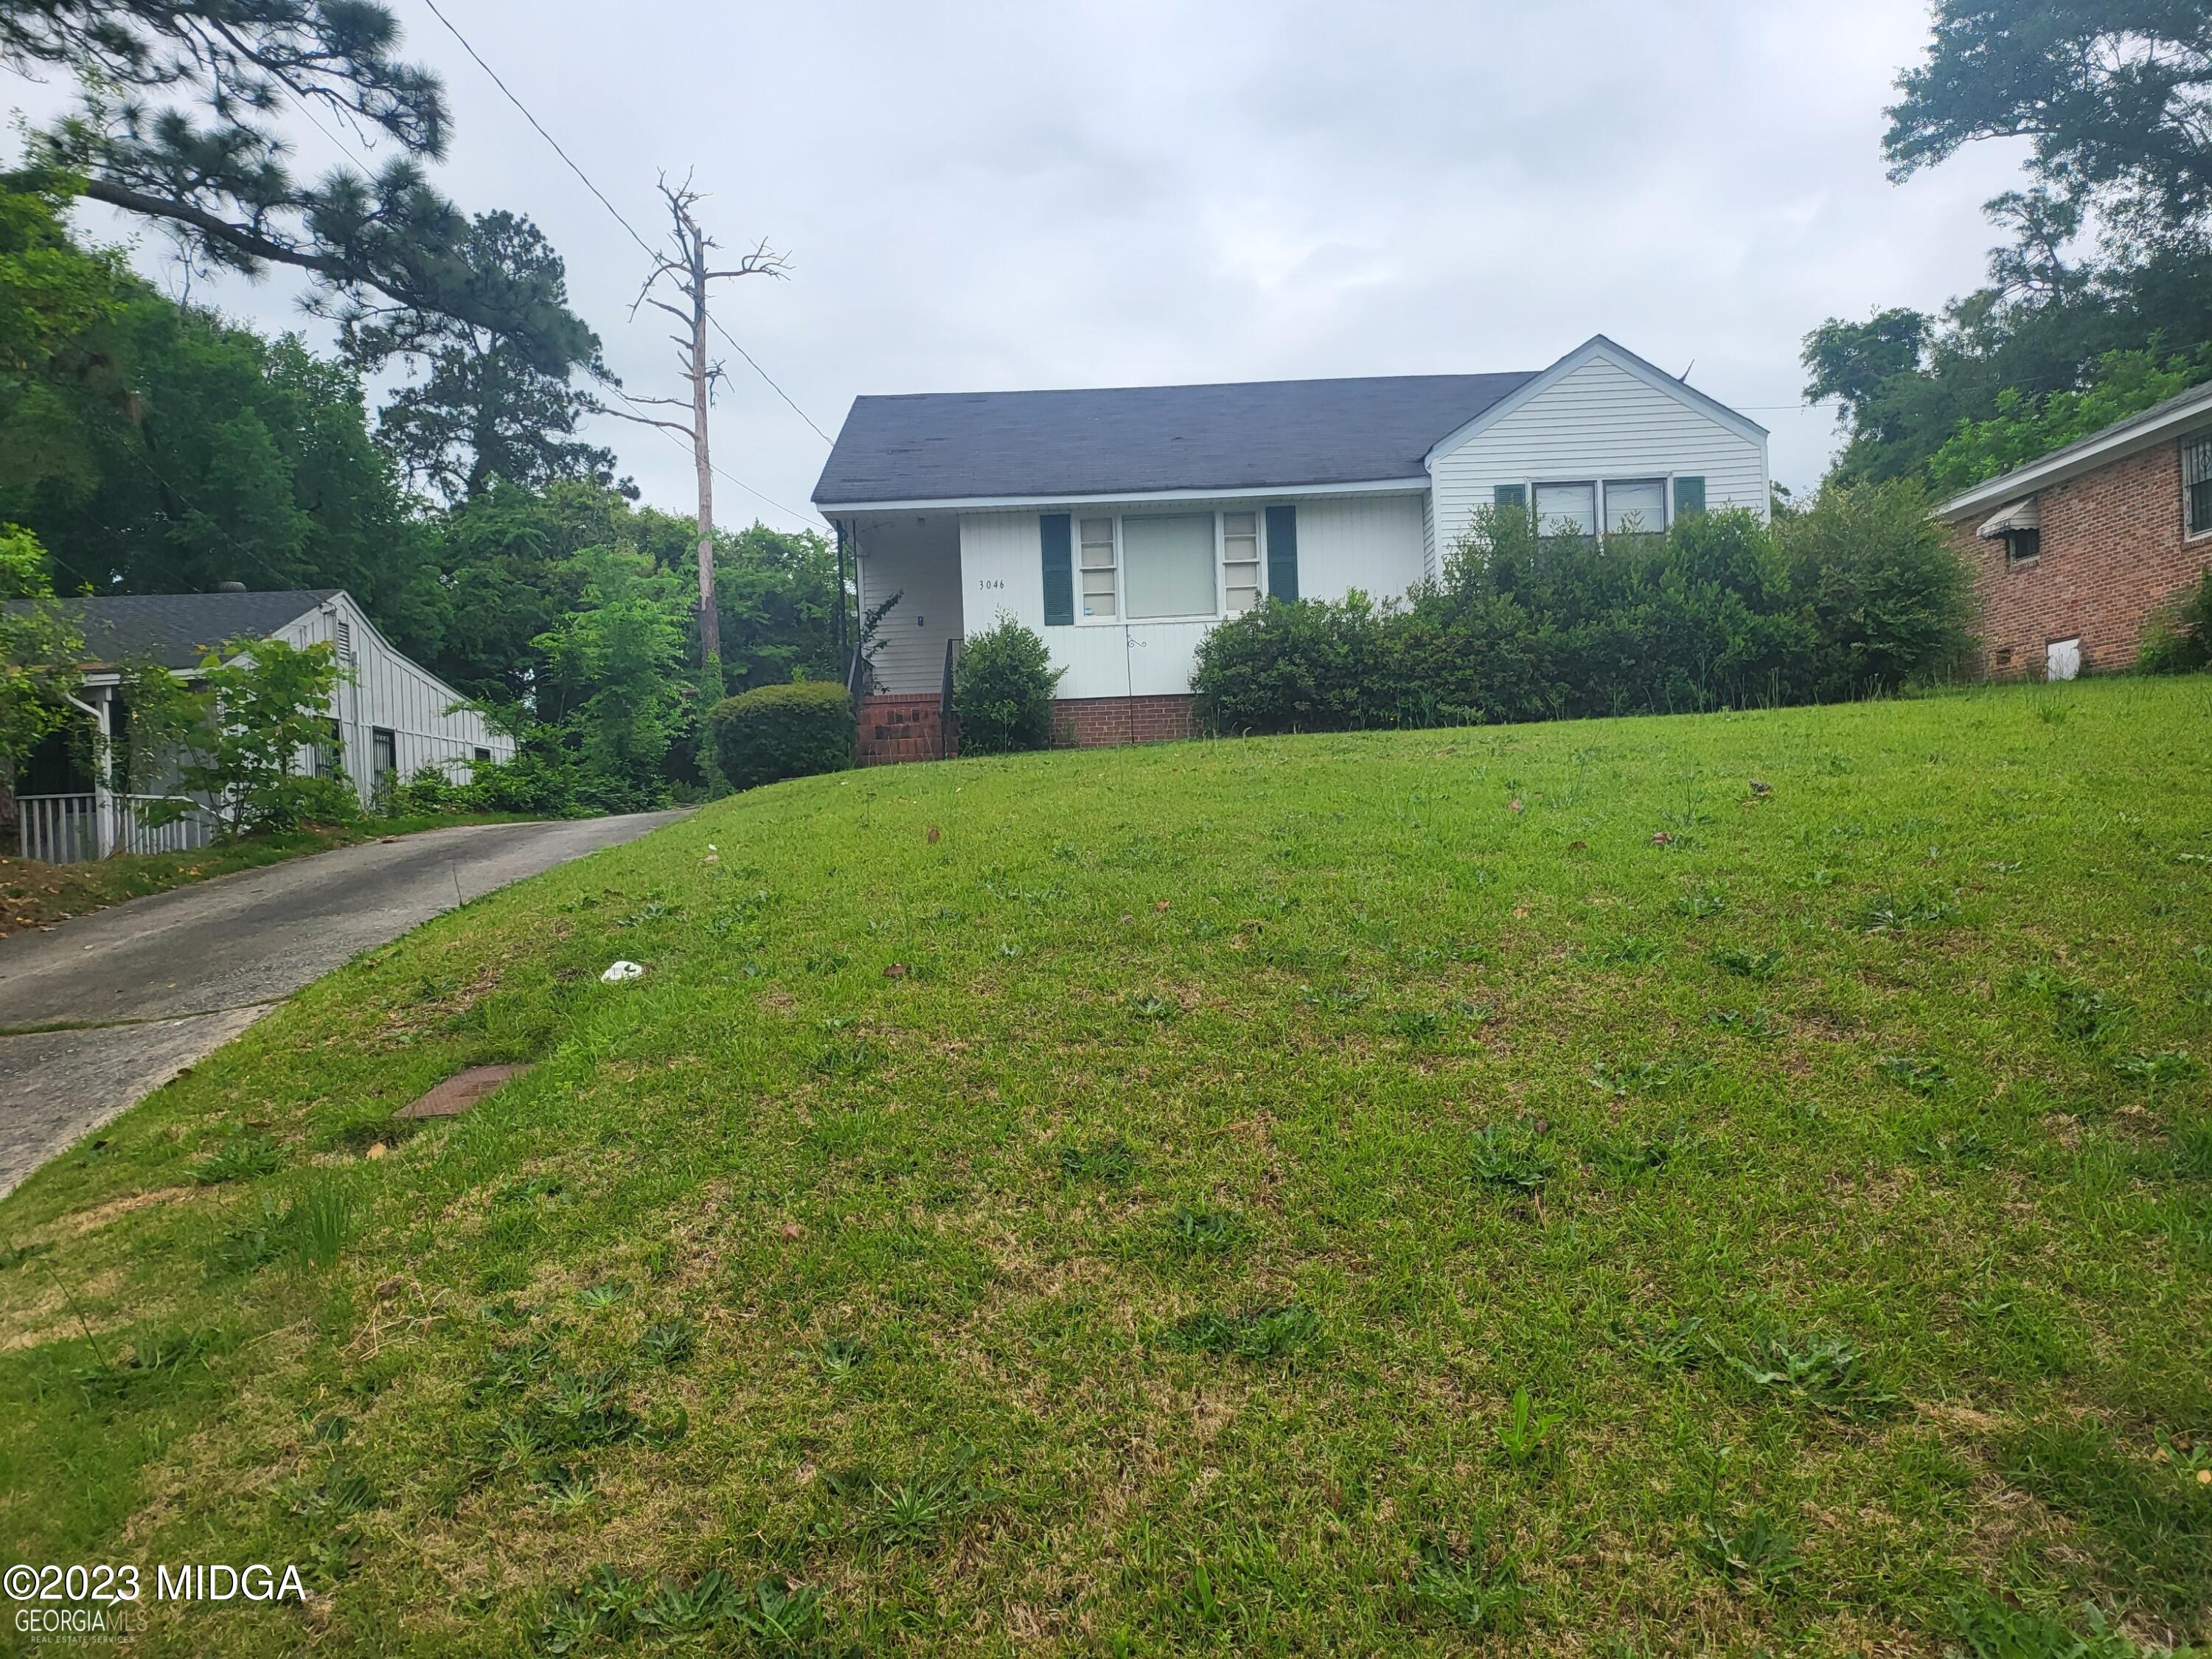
(158, 983)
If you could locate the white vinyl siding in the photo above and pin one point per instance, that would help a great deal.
(921, 564)
(385, 691)
(1598, 421)
(1373, 543)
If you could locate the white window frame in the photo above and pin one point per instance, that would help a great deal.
(1121, 618)
(1597, 487)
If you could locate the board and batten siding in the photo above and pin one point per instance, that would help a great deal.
(1597, 421)
(387, 690)
(921, 563)
(1372, 543)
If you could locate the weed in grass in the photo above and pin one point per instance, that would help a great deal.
(1629, 1159)
(1747, 964)
(915, 1512)
(1754, 1552)
(1418, 1026)
(1336, 1000)
(609, 1610)
(1675, 1344)
(1624, 952)
(1828, 1373)
(2156, 1070)
(840, 1357)
(1967, 1150)
(604, 1294)
(14, 1255)
(533, 1187)
(1255, 1334)
(1112, 1162)
(1150, 1005)
(1758, 1023)
(331, 1430)
(1204, 1232)
(1921, 1075)
(312, 1229)
(1701, 906)
(1517, 1165)
(342, 1492)
(157, 1357)
(1992, 1630)
(239, 1159)
(1464, 1591)
(1526, 1433)
(1896, 913)
(669, 1342)
(1639, 1076)
(846, 1058)
(567, 1488)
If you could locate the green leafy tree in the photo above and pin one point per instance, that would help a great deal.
(237, 734)
(40, 649)
(1889, 601)
(778, 595)
(2025, 426)
(179, 123)
(495, 402)
(610, 684)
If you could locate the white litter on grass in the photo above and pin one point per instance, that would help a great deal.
(622, 970)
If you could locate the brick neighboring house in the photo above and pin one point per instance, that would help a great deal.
(2075, 554)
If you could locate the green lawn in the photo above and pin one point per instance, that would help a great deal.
(1113, 1202)
(35, 895)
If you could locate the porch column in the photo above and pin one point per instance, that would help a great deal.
(107, 829)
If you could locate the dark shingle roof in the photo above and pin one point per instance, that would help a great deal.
(1254, 434)
(176, 630)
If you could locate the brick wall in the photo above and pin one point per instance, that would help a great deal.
(1101, 722)
(899, 728)
(2113, 553)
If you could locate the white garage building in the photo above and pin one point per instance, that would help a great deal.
(390, 716)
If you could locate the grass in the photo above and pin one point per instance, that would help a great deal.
(33, 894)
(1284, 1201)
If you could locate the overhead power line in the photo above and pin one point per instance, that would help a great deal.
(650, 250)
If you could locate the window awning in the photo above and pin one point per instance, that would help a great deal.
(2020, 515)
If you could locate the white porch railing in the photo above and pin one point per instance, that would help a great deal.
(72, 829)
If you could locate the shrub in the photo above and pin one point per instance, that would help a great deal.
(2180, 643)
(1296, 665)
(1002, 689)
(783, 731)
(430, 790)
(531, 782)
(1889, 600)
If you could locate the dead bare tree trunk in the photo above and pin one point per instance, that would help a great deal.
(689, 272)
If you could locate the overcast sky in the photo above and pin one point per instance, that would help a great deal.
(981, 197)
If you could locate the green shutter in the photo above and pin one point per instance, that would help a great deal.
(1282, 552)
(1689, 496)
(1510, 495)
(1059, 570)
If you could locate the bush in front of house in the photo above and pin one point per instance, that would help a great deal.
(1857, 593)
(2180, 641)
(776, 731)
(1002, 690)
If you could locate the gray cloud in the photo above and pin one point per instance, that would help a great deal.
(993, 195)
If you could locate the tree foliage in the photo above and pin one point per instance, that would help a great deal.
(236, 733)
(39, 649)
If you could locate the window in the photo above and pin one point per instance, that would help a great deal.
(2022, 547)
(1689, 496)
(1635, 506)
(384, 754)
(1566, 510)
(481, 754)
(1097, 566)
(1167, 566)
(329, 757)
(2196, 483)
(1240, 561)
(1506, 496)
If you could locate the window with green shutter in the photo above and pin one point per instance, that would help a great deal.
(1689, 496)
(1059, 570)
(1283, 552)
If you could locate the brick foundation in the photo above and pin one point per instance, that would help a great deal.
(900, 728)
(2114, 551)
(1103, 722)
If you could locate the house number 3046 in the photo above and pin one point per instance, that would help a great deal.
(986, 584)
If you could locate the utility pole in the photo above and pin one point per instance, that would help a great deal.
(686, 275)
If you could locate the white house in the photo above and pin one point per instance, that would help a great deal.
(1123, 524)
(390, 717)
